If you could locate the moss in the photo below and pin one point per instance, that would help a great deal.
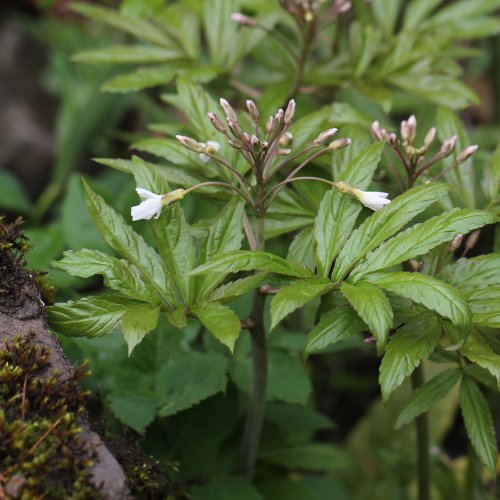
(41, 455)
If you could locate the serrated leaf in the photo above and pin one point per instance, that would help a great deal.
(471, 274)
(134, 25)
(421, 238)
(384, 223)
(126, 54)
(138, 322)
(93, 316)
(234, 289)
(177, 317)
(338, 212)
(118, 275)
(135, 410)
(221, 321)
(185, 381)
(428, 291)
(295, 295)
(336, 325)
(310, 457)
(130, 245)
(141, 78)
(406, 348)
(246, 260)
(302, 247)
(477, 350)
(372, 306)
(479, 423)
(485, 306)
(224, 235)
(170, 231)
(428, 395)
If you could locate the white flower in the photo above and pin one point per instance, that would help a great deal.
(209, 147)
(372, 199)
(152, 204)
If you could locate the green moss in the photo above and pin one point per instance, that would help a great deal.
(41, 455)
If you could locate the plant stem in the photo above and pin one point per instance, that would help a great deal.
(423, 439)
(257, 402)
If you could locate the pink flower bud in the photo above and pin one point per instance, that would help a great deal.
(377, 131)
(290, 111)
(217, 123)
(253, 110)
(429, 138)
(324, 137)
(466, 153)
(239, 18)
(189, 143)
(228, 110)
(339, 144)
(448, 146)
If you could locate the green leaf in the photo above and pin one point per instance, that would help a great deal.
(485, 307)
(295, 295)
(12, 195)
(406, 348)
(234, 289)
(91, 316)
(170, 231)
(372, 306)
(119, 275)
(184, 382)
(141, 78)
(428, 395)
(125, 54)
(477, 350)
(137, 322)
(421, 238)
(302, 247)
(336, 325)
(471, 274)
(224, 236)
(384, 223)
(310, 457)
(246, 260)
(130, 245)
(135, 410)
(417, 11)
(428, 291)
(134, 25)
(479, 423)
(386, 13)
(221, 321)
(338, 212)
(177, 317)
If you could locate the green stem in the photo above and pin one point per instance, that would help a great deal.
(257, 402)
(423, 441)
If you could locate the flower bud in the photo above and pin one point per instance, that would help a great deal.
(283, 152)
(269, 124)
(448, 146)
(235, 129)
(412, 128)
(240, 18)
(254, 141)
(377, 131)
(217, 123)
(392, 139)
(189, 143)
(228, 110)
(466, 153)
(429, 138)
(324, 137)
(235, 144)
(472, 240)
(416, 265)
(253, 110)
(290, 111)
(456, 242)
(339, 144)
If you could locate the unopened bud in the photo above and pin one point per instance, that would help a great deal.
(429, 137)
(466, 153)
(228, 110)
(370, 340)
(269, 124)
(235, 144)
(416, 265)
(239, 18)
(290, 111)
(254, 141)
(283, 152)
(217, 123)
(324, 137)
(448, 146)
(456, 242)
(253, 110)
(377, 131)
(235, 129)
(189, 143)
(472, 240)
(339, 144)
(393, 139)
(412, 128)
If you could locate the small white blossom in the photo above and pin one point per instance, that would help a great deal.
(210, 147)
(372, 199)
(152, 204)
